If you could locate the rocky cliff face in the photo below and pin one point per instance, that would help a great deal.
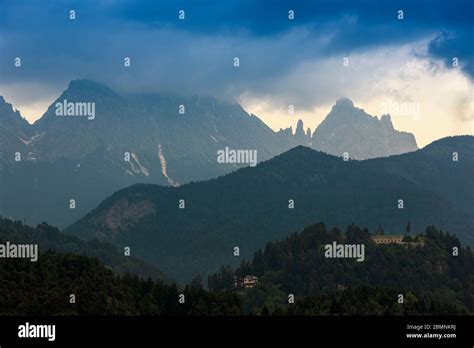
(15, 133)
(350, 129)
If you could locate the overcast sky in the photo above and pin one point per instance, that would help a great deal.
(393, 63)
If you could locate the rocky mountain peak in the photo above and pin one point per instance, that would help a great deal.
(387, 121)
(84, 85)
(344, 102)
(299, 128)
(350, 129)
(9, 117)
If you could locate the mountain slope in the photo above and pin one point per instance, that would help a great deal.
(44, 288)
(251, 206)
(14, 134)
(49, 238)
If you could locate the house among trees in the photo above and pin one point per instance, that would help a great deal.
(399, 239)
(384, 239)
(247, 282)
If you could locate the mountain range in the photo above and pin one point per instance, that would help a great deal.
(194, 228)
(152, 138)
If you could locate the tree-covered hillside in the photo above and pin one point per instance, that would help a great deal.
(431, 281)
(45, 288)
(49, 238)
(423, 272)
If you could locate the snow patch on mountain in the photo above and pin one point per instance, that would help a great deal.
(141, 169)
(163, 166)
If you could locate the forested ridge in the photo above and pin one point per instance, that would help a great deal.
(50, 238)
(429, 276)
(45, 288)
(431, 279)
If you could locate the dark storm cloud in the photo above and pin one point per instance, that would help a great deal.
(449, 45)
(195, 55)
